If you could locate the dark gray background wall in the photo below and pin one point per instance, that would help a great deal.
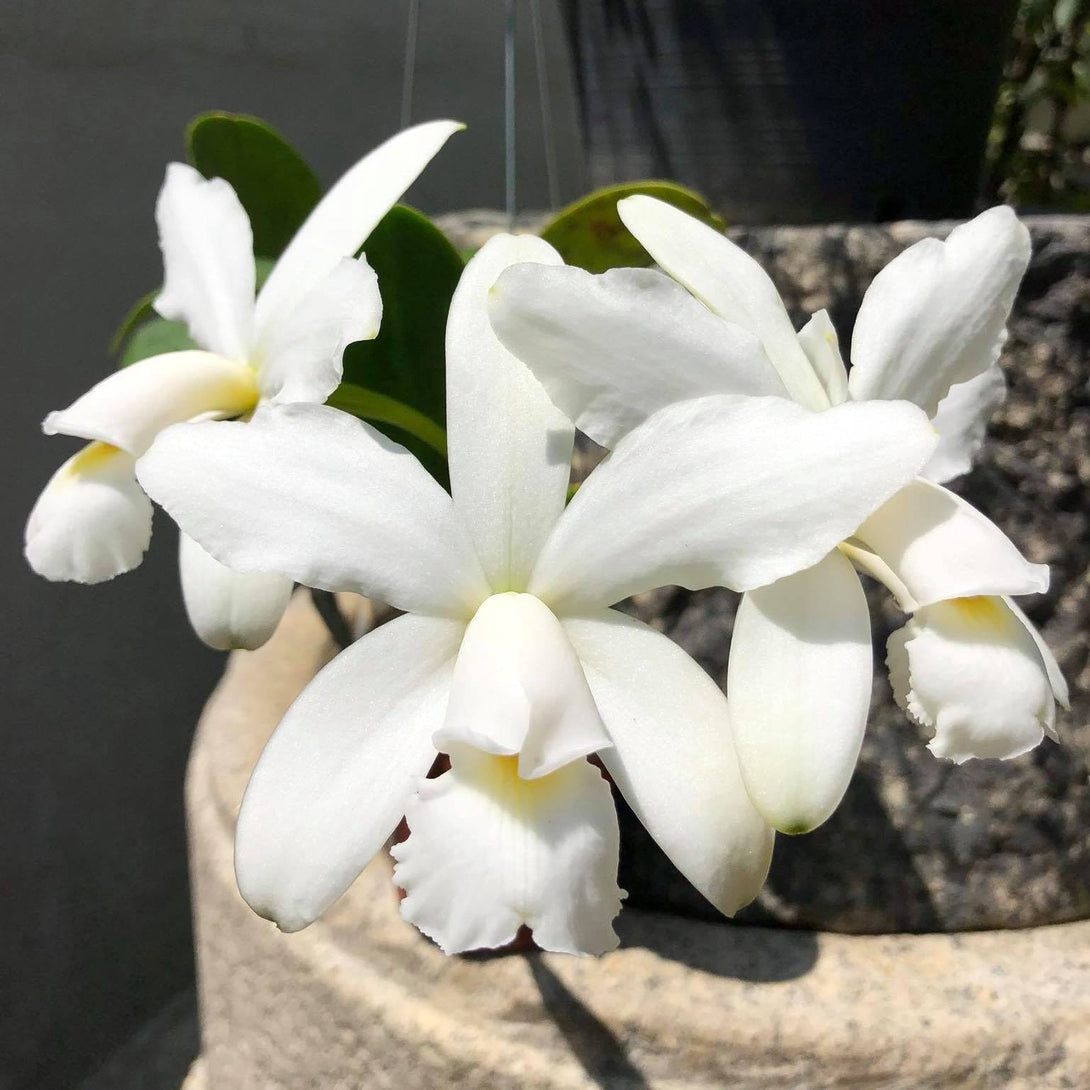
(102, 685)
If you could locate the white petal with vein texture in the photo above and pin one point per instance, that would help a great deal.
(489, 851)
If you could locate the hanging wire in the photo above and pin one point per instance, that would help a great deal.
(509, 112)
(548, 130)
(408, 73)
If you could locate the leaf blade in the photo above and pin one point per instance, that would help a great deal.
(273, 182)
(590, 234)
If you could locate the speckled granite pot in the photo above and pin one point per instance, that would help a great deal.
(361, 1000)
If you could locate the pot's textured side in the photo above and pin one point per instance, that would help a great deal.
(359, 999)
(919, 844)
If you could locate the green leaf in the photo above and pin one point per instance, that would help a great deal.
(274, 184)
(140, 312)
(154, 338)
(590, 233)
(418, 270)
(143, 313)
(378, 408)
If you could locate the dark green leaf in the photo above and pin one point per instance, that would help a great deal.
(274, 184)
(417, 270)
(154, 338)
(380, 409)
(141, 311)
(590, 233)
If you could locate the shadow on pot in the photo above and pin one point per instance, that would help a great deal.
(853, 874)
(591, 1041)
(758, 955)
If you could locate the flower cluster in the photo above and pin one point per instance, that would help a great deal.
(742, 455)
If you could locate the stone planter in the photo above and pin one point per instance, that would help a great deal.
(989, 862)
(359, 999)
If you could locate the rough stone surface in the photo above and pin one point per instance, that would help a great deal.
(919, 844)
(360, 999)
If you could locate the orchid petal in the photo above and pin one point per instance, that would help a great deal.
(334, 779)
(92, 520)
(969, 671)
(131, 406)
(229, 609)
(302, 360)
(208, 261)
(673, 756)
(344, 217)
(509, 448)
(961, 421)
(930, 545)
(1052, 668)
(612, 349)
(729, 282)
(489, 852)
(935, 315)
(726, 491)
(322, 498)
(798, 688)
(822, 347)
(518, 689)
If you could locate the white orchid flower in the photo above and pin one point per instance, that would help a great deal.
(92, 521)
(509, 659)
(611, 349)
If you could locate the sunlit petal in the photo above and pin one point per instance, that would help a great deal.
(935, 315)
(729, 281)
(489, 852)
(1052, 667)
(798, 687)
(92, 520)
(322, 498)
(961, 421)
(344, 218)
(727, 491)
(509, 447)
(131, 406)
(614, 348)
(519, 689)
(229, 609)
(969, 670)
(673, 756)
(822, 347)
(334, 779)
(302, 360)
(936, 546)
(208, 261)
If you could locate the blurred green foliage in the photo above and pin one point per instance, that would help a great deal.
(1039, 145)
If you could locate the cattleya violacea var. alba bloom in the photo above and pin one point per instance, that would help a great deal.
(509, 659)
(968, 666)
(92, 521)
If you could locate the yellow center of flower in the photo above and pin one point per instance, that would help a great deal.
(981, 610)
(95, 456)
